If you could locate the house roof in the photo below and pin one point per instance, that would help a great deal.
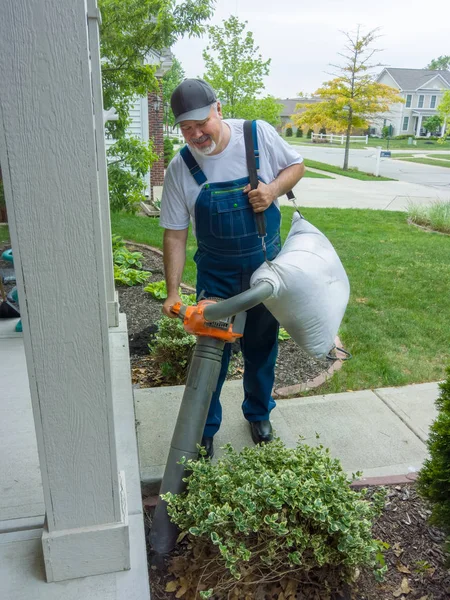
(289, 104)
(414, 79)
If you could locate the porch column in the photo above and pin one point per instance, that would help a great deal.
(419, 125)
(112, 299)
(53, 169)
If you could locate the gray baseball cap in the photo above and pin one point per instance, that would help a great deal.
(191, 100)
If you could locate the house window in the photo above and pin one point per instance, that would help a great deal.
(420, 104)
(405, 123)
(408, 100)
(433, 102)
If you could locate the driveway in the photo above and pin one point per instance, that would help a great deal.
(365, 160)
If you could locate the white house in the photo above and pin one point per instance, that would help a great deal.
(422, 91)
(147, 116)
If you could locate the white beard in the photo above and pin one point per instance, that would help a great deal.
(207, 150)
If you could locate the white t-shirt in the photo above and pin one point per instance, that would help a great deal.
(180, 189)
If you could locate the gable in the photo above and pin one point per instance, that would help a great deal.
(386, 78)
(435, 83)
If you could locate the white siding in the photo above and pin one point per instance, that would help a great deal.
(137, 128)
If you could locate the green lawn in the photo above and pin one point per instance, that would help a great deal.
(4, 234)
(374, 142)
(396, 324)
(429, 161)
(315, 175)
(352, 173)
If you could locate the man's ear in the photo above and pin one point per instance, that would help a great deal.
(219, 109)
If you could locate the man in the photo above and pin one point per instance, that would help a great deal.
(207, 183)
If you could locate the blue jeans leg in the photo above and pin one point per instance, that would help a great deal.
(260, 349)
(214, 417)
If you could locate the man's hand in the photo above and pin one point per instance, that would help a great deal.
(168, 303)
(261, 198)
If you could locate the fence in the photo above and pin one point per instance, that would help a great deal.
(339, 138)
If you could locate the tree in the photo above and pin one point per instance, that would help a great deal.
(442, 63)
(444, 112)
(171, 80)
(353, 97)
(234, 68)
(130, 30)
(266, 108)
(433, 123)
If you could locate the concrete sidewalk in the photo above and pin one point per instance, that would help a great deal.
(380, 432)
(344, 192)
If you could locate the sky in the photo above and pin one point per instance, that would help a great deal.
(303, 38)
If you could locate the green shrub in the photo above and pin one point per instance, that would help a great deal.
(171, 348)
(299, 132)
(124, 258)
(168, 151)
(158, 290)
(129, 160)
(283, 335)
(309, 134)
(127, 264)
(288, 131)
(273, 512)
(385, 131)
(117, 242)
(323, 130)
(125, 276)
(434, 478)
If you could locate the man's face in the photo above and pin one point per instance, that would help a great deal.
(204, 136)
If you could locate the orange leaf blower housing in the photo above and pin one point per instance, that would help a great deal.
(194, 322)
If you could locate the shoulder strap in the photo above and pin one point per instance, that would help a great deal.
(192, 165)
(252, 154)
(250, 142)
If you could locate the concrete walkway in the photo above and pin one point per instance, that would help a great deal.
(344, 192)
(380, 432)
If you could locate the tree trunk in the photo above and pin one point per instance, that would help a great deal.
(347, 140)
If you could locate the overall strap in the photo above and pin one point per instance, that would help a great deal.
(193, 166)
(252, 155)
(255, 143)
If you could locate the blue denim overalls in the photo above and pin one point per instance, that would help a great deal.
(229, 251)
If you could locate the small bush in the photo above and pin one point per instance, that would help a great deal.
(436, 215)
(273, 512)
(309, 134)
(283, 335)
(299, 132)
(385, 132)
(168, 151)
(127, 265)
(125, 276)
(434, 478)
(288, 131)
(323, 130)
(158, 290)
(171, 348)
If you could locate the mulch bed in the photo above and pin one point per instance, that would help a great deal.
(293, 365)
(415, 559)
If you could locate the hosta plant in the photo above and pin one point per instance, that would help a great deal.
(125, 276)
(272, 513)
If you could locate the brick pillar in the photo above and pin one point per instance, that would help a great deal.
(155, 133)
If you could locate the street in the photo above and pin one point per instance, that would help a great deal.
(365, 160)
